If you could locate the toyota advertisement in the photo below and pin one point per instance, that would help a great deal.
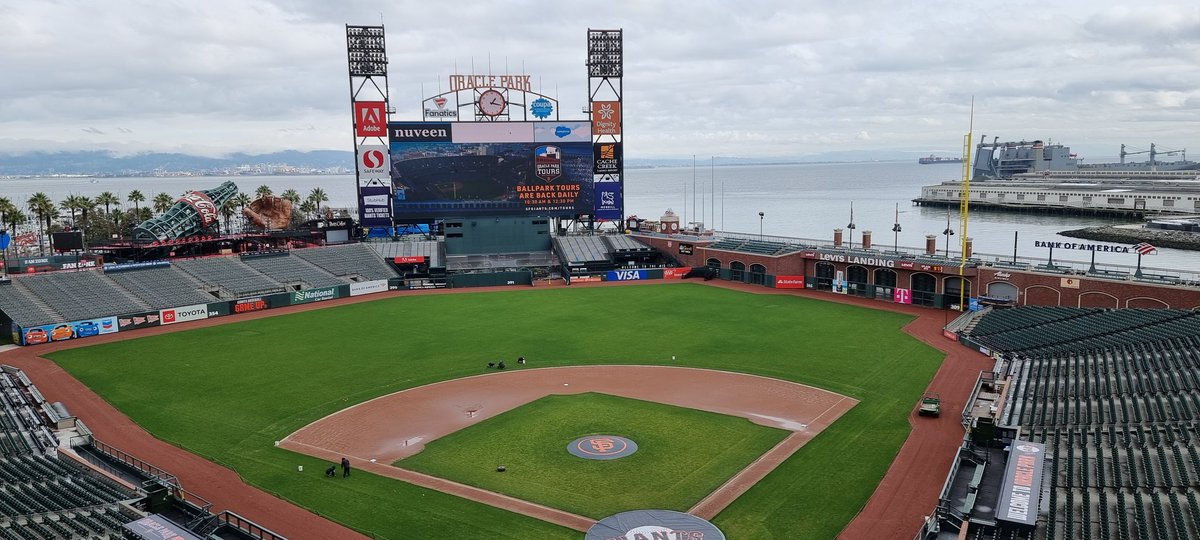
(500, 168)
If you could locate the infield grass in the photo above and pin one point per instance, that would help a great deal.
(228, 392)
(682, 456)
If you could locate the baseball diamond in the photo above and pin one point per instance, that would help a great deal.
(297, 381)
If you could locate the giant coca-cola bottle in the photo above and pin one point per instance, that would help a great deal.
(193, 214)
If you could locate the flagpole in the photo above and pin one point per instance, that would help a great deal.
(1138, 273)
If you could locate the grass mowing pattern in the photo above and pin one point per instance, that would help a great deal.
(683, 454)
(228, 392)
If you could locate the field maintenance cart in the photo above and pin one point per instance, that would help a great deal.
(931, 405)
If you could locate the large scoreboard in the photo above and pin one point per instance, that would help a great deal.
(491, 168)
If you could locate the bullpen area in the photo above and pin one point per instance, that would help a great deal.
(242, 394)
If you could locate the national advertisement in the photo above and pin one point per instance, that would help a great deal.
(368, 287)
(315, 295)
(375, 206)
(608, 201)
(183, 314)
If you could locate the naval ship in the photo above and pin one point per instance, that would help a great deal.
(1032, 175)
(999, 160)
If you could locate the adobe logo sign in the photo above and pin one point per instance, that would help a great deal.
(370, 119)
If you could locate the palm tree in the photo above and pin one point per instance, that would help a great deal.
(318, 196)
(6, 207)
(227, 211)
(14, 217)
(242, 199)
(136, 197)
(41, 206)
(70, 204)
(263, 191)
(108, 199)
(86, 205)
(163, 202)
(291, 195)
(307, 207)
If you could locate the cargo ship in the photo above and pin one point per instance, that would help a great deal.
(938, 159)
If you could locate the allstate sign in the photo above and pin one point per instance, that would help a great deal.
(626, 275)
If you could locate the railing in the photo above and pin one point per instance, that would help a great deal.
(1149, 274)
(150, 470)
(249, 527)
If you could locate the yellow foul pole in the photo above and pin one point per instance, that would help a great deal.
(964, 206)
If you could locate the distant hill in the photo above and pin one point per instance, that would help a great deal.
(105, 163)
(101, 162)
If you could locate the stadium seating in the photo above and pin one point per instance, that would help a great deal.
(229, 274)
(162, 288)
(1116, 399)
(582, 250)
(24, 307)
(293, 271)
(82, 295)
(355, 262)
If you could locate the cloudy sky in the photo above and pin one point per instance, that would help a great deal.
(746, 78)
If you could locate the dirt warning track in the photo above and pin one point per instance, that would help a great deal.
(375, 433)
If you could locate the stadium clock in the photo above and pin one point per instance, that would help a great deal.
(491, 103)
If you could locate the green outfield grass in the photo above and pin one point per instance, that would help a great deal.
(682, 456)
(228, 392)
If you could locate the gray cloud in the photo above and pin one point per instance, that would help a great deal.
(749, 78)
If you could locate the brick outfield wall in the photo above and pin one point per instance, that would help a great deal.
(1032, 288)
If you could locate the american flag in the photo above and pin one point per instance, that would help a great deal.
(1145, 249)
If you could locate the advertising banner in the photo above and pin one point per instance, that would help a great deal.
(183, 314)
(607, 156)
(419, 132)
(489, 132)
(438, 179)
(375, 206)
(373, 161)
(839, 283)
(121, 267)
(562, 132)
(625, 275)
(685, 249)
(973, 304)
(248, 305)
(138, 320)
(789, 282)
(1021, 489)
(203, 205)
(606, 118)
(53, 262)
(902, 296)
(368, 287)
(36, 335)
(370, 119)
(315, 295)
(1068, 283)
(675, 273)
(409, 259)
(608, 201)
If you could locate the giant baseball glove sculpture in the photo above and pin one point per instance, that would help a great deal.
(270, 212)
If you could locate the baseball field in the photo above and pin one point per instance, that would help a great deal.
(228, 392)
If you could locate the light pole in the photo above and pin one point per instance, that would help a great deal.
(896, 229)
(851, 225)
(948, 232)
(760, 225)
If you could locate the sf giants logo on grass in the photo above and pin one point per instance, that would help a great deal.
(655, 532)
(370, 119)
(601, 446)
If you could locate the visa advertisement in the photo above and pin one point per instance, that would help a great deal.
(540, 168)
(36, 335)
(626, 275)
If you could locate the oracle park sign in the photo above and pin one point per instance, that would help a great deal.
(1021, 490)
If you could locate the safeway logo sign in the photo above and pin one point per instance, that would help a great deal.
(372, 161)
(370, 119)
